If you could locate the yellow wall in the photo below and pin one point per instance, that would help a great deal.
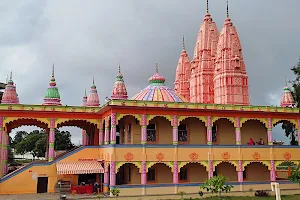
(163, 130)
(196, 172)
(226, 132)
(196, 130)
(163, 173)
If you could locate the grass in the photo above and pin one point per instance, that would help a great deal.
(283, 197)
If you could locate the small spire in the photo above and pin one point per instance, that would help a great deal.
(207, 6)
(156, 68)
(6, 78)
(119, 68)
(183, 45)
(10, 77)
(85, 92)
(285, 81)
(93, 81)
(53, 70)
(227, 12)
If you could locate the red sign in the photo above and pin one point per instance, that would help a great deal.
(87, 159)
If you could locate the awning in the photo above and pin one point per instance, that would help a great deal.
(89, 167)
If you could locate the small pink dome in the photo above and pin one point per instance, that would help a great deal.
(93, 98)
(119, 90)
(10, 94)
(287, 99)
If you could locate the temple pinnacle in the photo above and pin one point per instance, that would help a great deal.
(183, 45)
(85, 92)
(227, 10)
(207, 11)
(10, 77)
(285, 81)
(93, 81)
(156, 68)
(53, 70)
(119, 68)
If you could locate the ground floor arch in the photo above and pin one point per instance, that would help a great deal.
(256, 172)
(128, 174)
(228, 170)
(193, 173)
(159, 173)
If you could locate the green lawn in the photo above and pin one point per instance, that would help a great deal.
(283, 197)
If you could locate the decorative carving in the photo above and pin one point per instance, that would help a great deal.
(93, 110)
(9, 108)
(52, 109)
(160, 156)
(113, 118)
(166, 106)
(175, 120)
(73, 109)
(144, 119)
(256, 156)
(225, 156)
(128, 156)
(31, 108)
(194, 156)
(123, 103)
(287, 156)
(175, 165)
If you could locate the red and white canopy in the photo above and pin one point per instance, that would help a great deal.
(89, 167)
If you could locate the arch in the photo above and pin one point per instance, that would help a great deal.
(231, 119)
(277, 121)
(202, 119)
(265, 163)
(12, 123)
(72, 122)
(182, 164)
(226, 169)
(257, 172)
(216, 163)
(167, 117)
(168, 164)
(121, 116)
(277, 163)
(120, 164)
(262, 120)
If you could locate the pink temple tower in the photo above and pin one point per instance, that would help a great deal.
(10, 95)
(119, 90)
(230, 77)
(93, 98)
(183, 73)
(84, 99)
(202, 66)
(52, 96)
(287, 99)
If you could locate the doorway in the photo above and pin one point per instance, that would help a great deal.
(42, 185)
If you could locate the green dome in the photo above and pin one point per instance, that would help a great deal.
(52, 93)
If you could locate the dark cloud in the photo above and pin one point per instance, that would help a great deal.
(90, 38)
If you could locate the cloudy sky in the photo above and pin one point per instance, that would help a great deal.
(90, 38)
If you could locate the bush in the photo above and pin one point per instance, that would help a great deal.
(216, 185)
(261, 193)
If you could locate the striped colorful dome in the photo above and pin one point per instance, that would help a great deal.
(158, 91)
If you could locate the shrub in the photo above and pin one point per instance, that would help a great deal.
(261, 193)
(181, 193)
(115, 192)
(216, 185)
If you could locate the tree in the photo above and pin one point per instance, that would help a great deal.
(289, 129)
(295, 175)
(216, 185)
(63, 140)
(20, 135)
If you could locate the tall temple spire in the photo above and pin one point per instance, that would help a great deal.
(52, 96)
(119, 89)
(93, 98)
(10, 95)
(287, 99)
(230, 77)
(84, 99)
(182, 78)
(202, 66)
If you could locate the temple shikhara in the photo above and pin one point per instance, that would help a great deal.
(165, 139)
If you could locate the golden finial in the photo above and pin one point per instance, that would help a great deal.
(207, 6)
(156, 68)
(53, 70)
(183, 45)
(227, 12)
